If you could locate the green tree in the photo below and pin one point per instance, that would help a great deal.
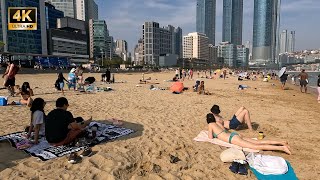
(1, 45)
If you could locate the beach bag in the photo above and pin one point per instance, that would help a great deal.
(57, 85)
(90, 80)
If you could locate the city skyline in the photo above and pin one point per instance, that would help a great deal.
(125, 18)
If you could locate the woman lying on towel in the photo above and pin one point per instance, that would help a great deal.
(218, 131)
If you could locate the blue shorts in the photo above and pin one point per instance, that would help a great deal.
(61, 84)
(234, 122)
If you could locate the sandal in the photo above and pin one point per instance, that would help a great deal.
(234, 167)
(242, 169)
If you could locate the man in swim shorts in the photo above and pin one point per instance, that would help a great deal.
(303, 80)
(240, 117)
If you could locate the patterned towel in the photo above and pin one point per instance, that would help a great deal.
(45, 151)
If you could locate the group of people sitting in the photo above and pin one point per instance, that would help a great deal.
(199, 88)
(59, 127)
(218, 128)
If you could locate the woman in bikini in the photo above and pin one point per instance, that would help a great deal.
(218, 131)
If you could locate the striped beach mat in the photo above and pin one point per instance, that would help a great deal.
(45, 151)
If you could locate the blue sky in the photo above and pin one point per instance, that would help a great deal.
(125, 18)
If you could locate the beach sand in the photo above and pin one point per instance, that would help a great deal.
(166, 125)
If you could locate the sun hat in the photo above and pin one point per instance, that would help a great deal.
(215, 109)
(73, 70)
(232, 154)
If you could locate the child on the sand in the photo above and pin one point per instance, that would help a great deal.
(60, 82)
(26, 92)
(37, 120)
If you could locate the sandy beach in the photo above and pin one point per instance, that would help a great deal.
(165, 125)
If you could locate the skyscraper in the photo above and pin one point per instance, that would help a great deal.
(283, 42)
(78, 9)
(266, 31)
(291, 41)
(66, 6)
(206, 18)
(232, 21)
(178, 42)
(196, 45)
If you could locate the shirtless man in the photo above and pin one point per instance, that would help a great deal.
(303, 80)
(240, 117)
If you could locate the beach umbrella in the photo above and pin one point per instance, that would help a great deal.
(282, 71)
(177, 87)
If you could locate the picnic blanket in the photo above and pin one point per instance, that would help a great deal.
(203, 137)
(45, 151)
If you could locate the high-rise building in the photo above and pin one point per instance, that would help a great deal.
(236, 56)
(249, 46)
(52, 14)
(122, 49)
(196, 45)
(138, 53)
(86, 9)
(78, 9)
(242, 57)
(99, 37)
(291, 41)
(66, 6)
(283, 42)
(266, 31)
(287, 41)
(206, 18)
(232, 21)
(33, 41)
(156, 41)
(228, 52)
(73, 23)
(178, 42)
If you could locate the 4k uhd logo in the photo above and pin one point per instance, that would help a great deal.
(22, 18)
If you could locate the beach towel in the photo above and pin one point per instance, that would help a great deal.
(45, 151)
(203, 137)
(266, 164)
(177, 87)
(290, 175)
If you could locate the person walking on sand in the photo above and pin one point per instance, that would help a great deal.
(215, 130)
(224, 74)
(9, 76)
(303, 80)
(283, 80)
(318, 88)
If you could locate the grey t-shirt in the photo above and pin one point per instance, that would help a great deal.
(38, 118)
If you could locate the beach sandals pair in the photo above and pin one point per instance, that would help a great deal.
(238, 168)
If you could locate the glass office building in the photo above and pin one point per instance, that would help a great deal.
(266, 31)
(21, 41)
(99, 35)
(52, 14)
(232, 21)
(66, 6)
(206, 18)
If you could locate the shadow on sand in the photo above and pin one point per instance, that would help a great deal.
(10, 156)
(254, 125)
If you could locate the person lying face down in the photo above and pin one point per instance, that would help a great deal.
(216, 130)
(242, 116)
